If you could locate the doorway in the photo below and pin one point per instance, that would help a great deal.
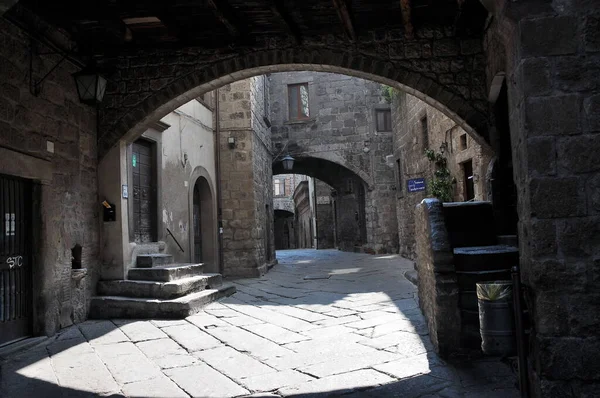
(469, 188)
(143, 163)
(203, 234)
(15, 259)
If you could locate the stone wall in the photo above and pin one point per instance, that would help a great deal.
(410, 144)
(554, 93)
(51, 139)
(187, 154)
(341, 128)
(246, 174)
(303, 216)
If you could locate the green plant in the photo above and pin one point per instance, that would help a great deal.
(442, 182)
(389, 93)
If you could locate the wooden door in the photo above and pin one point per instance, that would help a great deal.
(469, 184)
(144, 191)
(15, 258)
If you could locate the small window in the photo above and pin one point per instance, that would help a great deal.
(279, 187)
(463, 142)
(425, 132)
(383, 119)
(298, 101)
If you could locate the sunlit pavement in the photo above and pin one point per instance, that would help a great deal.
(319, 323)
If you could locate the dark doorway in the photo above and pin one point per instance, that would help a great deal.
(268, 226)
(197, 216)
(143, 162)
(468, 178)
(15, 258)
(203, 234)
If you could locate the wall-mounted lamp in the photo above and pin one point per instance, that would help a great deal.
(231, 142)
(91, 85)
(443, 147)
(288, 162)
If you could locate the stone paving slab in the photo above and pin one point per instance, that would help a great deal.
(339, 383)
(191, 337)
(358, 333)
(202, 381)
(233, 364)
(166, 353)
(140, 330)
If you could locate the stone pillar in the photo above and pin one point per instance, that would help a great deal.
(438, 285)
(554, 98)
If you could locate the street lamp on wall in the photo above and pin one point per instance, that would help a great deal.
(288, 162)
(91, 86)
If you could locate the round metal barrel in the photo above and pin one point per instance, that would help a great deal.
(497, 326)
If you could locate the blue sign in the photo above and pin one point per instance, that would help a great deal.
(416, 185)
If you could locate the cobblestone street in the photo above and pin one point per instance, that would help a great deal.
(319, 323)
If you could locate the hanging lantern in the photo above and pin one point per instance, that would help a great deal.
(90, 86)
(288, 162)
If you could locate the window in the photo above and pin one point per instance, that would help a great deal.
(463, 142)
(383, 119)
(298, 101)
(425, 132)
(279, 187)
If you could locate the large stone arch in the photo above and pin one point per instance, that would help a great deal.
(127, 113)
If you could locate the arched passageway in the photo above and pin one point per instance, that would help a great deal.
(343, 200)
(284, 230)
(447, 55)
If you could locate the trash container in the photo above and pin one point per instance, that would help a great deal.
(496, 318)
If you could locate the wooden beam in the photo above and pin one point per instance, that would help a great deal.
(285, 19)
(225, 16)
(406, 18)
(346, 18)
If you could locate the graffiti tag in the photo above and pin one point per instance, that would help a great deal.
(13, 262)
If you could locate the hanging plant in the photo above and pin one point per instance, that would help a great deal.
(442, 182)
(388, 93)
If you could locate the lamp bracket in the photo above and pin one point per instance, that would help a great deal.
(35, 86)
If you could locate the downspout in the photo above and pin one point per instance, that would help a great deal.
(218, 180)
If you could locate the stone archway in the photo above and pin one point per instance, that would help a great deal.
(128, 114)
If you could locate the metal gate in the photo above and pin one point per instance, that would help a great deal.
(15, 258)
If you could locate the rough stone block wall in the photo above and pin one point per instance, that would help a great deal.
(341, 128)
(409, 148)
(68, 199)
(246, 175)
(554, 88)
(262, 159)
(438, 285)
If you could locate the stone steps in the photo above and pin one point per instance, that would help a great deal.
(159, 290)
(115, 307)
(165, 273)
(153, 260)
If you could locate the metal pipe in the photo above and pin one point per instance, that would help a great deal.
(218, 180)
(521, 344)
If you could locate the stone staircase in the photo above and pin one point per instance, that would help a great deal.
(158, 289)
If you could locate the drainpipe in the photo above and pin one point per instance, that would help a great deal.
(218, 179)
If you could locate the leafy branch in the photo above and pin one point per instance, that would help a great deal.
(442, 183)
(389, 93)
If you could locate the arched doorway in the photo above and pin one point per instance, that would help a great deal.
(202, 243)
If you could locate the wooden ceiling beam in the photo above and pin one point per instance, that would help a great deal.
(344, 13)
(407, 19)
(225, 15)
(285, 20)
